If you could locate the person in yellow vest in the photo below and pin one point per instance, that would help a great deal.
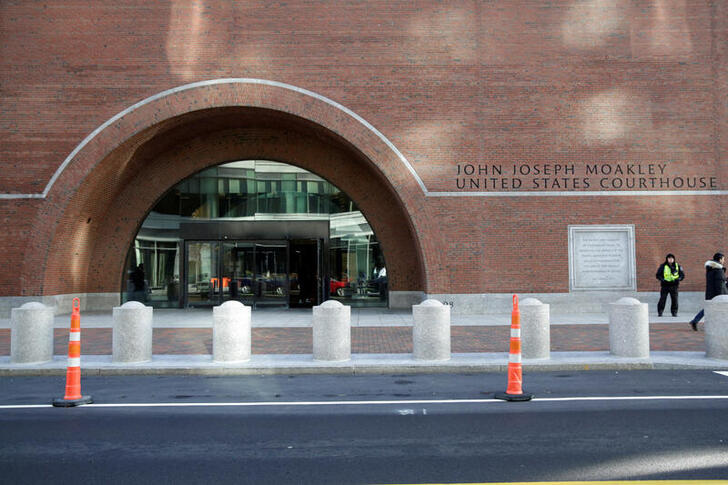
(670, 275)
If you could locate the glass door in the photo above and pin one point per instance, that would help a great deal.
(275, 273)
(271, 273)
(238, 271)
(305, 272)
(204, 286)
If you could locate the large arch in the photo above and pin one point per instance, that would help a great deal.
(108, 186)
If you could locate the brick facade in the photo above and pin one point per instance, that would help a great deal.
(354, 85)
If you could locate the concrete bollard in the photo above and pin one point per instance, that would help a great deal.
(716, 327)
(431, 331)
(31, 333)
(629, 331)
(535, 329)
(331, 331)
(132, 333)
(231, 332)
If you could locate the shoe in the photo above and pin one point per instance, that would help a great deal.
(659, 314)
(674, 314)
(694, 325)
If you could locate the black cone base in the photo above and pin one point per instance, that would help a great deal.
(513, 397)
(63, 403)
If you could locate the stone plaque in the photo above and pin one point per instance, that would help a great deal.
(602, 258)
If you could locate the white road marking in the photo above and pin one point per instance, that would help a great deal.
(371, 403)
(26, 406)
(721, 372)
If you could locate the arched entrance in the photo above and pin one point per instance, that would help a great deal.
(260, 232)
(112, 182)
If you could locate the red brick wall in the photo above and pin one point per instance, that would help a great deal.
(448, 83)
(105, 212)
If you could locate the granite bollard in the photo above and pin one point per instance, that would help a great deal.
(331, 331)
(31, 333)
(431, 331)
(535, 329)
(132, 333)
(629, 331)
(231, 333)
(716, 327)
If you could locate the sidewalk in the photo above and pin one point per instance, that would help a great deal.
(381, 342)
(301, 317)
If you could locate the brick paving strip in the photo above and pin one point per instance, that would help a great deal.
(377, 340)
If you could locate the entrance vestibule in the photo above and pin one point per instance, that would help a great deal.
(268, 272)
(260, 232)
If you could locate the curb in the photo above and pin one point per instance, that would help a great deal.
(300, 364)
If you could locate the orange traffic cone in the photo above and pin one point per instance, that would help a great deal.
(515, 378)
(73, 395)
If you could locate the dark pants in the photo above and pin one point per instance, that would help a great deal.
(664, 291)
(697, 317)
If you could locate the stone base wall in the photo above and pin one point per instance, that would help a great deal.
(566, 303)
(405, 299)
(62, 303)
(461, 304)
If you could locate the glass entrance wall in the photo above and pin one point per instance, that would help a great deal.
(238, 270)
(256, 273)
(358, 273)
(153, 272)
(306, 273)
(253, 189)
(204, 286)
(271, 273)
(205, 269)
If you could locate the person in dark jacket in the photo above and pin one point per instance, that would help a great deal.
(714, 283)
(670, 275)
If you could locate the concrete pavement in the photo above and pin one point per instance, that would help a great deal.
(301, 317)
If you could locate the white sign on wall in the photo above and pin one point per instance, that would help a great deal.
(602, 257)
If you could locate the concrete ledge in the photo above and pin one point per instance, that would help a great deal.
(403, 300)
(62, 303)
(462, 304)
(562, 303)
(363, 364)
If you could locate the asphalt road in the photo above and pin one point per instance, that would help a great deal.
(631, 425)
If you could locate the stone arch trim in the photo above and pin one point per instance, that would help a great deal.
(101, 176)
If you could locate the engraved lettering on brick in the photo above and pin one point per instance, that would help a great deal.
(524, 176)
